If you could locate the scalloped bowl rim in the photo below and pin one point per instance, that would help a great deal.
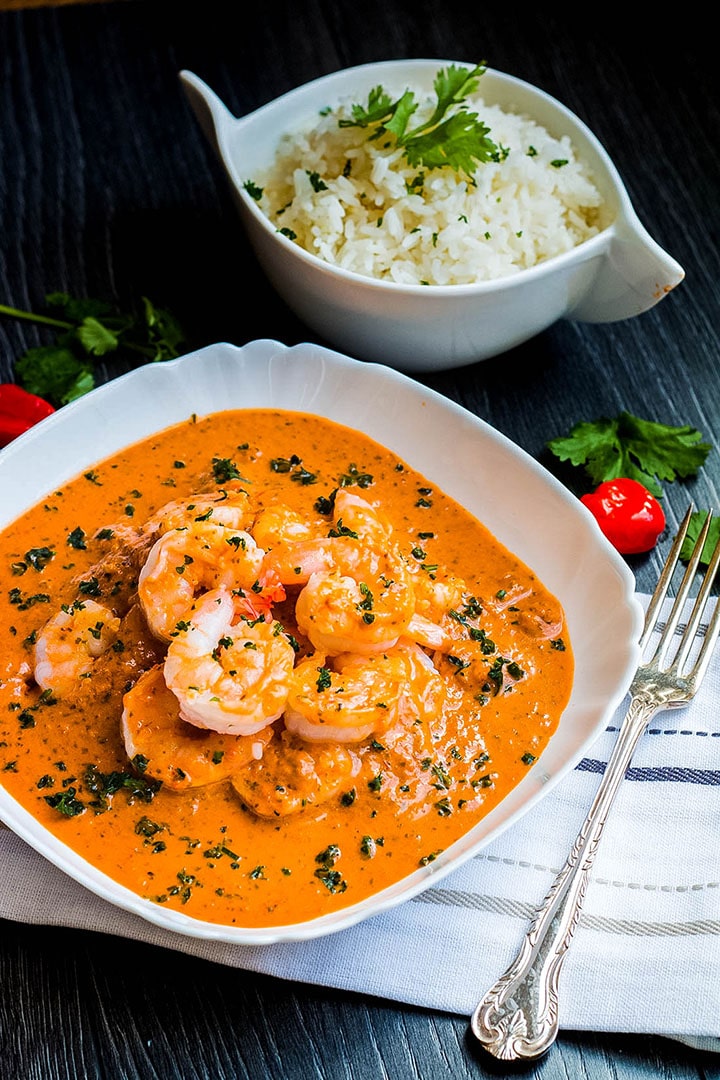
(565, 548)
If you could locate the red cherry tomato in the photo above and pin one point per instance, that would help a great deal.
(627, 513)
(19, 410)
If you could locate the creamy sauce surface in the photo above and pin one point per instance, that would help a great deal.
(274, 826)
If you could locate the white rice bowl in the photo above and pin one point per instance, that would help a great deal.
(372, 218)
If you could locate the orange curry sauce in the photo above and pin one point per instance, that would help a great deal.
(410, 791)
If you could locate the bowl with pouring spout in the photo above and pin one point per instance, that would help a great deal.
(422, 266)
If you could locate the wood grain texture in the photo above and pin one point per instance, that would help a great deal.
(108, 189)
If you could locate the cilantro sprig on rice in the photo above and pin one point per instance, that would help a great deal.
(362, 186)
(451, 137)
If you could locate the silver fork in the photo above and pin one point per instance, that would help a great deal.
(518, 1017)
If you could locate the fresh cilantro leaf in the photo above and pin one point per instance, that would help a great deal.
(459, 142)
(54, 373)
(163, 331)
(96, 338)
(75, 309)
(454, 84)
(455, 139)
(402, 110)
(85, 329)
(697, 520)
(627, 445)
(379, 107)
(82, 384)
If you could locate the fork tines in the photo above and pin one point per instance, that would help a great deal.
(661, 590)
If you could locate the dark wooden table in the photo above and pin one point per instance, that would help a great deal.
(107, 189)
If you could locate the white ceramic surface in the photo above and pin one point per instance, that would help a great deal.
(618, 274)
(523, 505)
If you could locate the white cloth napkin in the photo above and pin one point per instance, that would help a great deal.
(646, 955)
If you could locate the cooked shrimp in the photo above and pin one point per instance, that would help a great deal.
(70, 643)
(164, 746)
(232, 677)
(352, 512)
(292, 562)
(302, 548)
(346, 699)
(185, 562)
(540, 625)
(230, 507)
(280, 524)
(362, 605)
(424, 692)
(355, 599)
(430, 634)
(437, 591)
(290, 777)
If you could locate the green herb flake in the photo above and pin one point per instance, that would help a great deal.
(426, 859)
(253, 190)
(316, 182)
(76, 539)
(65, 802)
(224, 470)
(38, 558)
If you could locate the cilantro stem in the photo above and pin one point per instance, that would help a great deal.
(30, 316)
(144, 350)
(64, 369)
(62, 324)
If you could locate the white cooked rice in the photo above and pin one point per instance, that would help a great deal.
(521, 211)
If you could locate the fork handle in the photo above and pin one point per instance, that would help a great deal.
(518, 1018)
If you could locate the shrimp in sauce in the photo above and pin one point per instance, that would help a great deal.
(69, 644)
(292, 777)
(231, 507)
(345, 700)
(229, 674)
(295, 660)
(169, 749)
(187, 561)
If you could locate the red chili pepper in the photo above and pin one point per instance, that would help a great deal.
(19, 410)
(627, 513)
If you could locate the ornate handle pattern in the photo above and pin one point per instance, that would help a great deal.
(518, 1017)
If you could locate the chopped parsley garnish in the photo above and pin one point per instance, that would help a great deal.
(24, 602)
(324, 680)
(65, 802)
(354, 477)
(224, 469)
(38, 558)
(332, 879)
(76, 539)
(316, 182)
(253, 190)
(91, 587)
(294, 466)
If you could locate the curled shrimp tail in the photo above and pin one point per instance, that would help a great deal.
(179, 754)
(230, 676)
(69, 644)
